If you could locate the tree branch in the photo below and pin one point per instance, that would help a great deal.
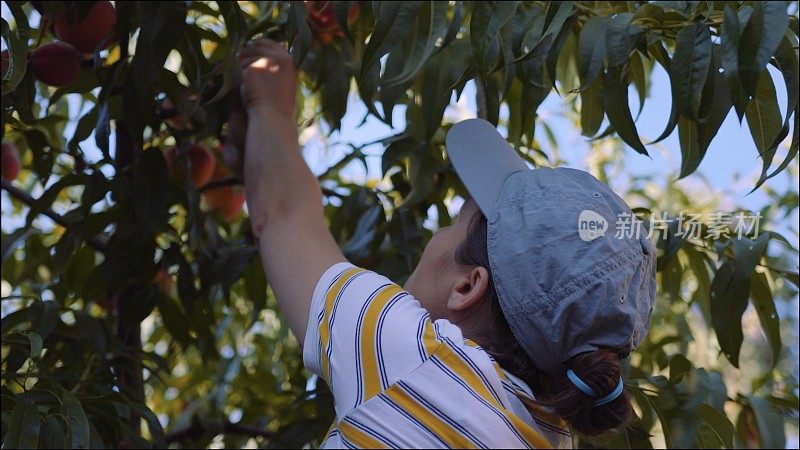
(26, 198)
(233, 181)
(198, 428)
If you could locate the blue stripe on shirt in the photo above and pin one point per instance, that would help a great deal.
(435, 411)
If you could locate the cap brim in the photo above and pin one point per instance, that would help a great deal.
(483, 160)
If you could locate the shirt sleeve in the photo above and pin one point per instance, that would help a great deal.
(365, 333)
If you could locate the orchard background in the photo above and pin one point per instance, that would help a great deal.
(134, 309)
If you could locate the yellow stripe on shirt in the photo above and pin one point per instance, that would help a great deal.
(429, 340)
(358, 437)
(533, 407)
(324, 326)
(447, 434)
(369, 329)
(454, 362)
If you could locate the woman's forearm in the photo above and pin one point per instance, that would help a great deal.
(278, 182)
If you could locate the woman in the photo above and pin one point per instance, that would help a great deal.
(514, 322)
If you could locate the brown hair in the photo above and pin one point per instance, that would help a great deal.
(600, 369)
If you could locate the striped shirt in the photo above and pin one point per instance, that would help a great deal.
(401, 380)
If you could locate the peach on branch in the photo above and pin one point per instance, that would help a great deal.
(10, 162)
(89, 32)
(201, 164)
(56, 63)
(227, 201)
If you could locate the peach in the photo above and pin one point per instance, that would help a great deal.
(171, 115)
(201, 164)
(91, 31)
(227, 201)
(164, 281)
(57, 63)
(9, 159)
(322, 21)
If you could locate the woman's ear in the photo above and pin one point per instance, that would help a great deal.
(469, 290)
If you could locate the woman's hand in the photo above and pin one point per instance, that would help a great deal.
(269, 78)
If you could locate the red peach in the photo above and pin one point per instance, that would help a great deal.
(57, 63)
(227, 201)
(90, 32)
(9, 159)
(201, 164)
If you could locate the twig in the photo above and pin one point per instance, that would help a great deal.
(26, 198)
(331, 193)
(198, 428)
(233, 181)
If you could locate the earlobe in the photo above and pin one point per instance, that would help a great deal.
(469, 290)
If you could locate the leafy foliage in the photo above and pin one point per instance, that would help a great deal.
(143, 319)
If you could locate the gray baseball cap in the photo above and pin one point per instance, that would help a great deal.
(573, 269)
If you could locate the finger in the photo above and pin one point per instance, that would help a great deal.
(272, 47)
(251, 50)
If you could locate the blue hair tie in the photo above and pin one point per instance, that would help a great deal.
(586, 389)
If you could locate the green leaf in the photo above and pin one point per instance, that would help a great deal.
(639, 74)
(690, 67)
(18, 50)
(730, 291)
(730, 39)
(52, 435)
(558, 43)
(334, 78)
(661, 55)
(716, 96)
(163, 25)
(391, 28)
(441, 72)
(174, 319)
(717, 423)
(390, 96)
(679, 366)
(23, 425)
(75, 417)
(367, 87)
(36, 344)
(235, 24)
(761, 296)
(360, 244)
(298, 16)
(487, 19)
(615, 102)
(769, 422)
(430, 26)
(764, 119)
(691, 151)
(592, 111)
(153, 425)
(43, 316)
(728, 302)
(760, 38)
(421, 175)
(557, 14)
(787, 62)
(621, 39)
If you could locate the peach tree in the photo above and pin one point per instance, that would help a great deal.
(135, 311)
